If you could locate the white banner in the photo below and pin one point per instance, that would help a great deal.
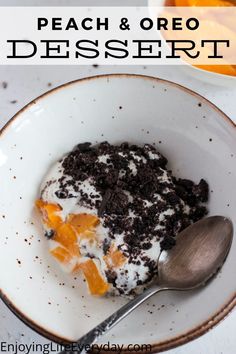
(117, 35)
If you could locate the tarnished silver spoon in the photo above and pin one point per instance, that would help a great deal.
(198, 254)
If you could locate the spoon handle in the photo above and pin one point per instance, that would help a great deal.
(92, 336)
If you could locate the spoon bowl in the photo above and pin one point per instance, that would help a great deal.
(199, 252)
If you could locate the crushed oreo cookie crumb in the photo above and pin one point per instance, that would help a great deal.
(4, 84)
(49, 234)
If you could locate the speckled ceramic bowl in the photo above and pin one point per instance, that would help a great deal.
(199, 141)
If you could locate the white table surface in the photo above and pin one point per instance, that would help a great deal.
(26, 83)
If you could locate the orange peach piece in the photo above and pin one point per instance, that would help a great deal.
(61, 254)
(66, 236)
(97, 285)
(83, 222)
(49, 213)
(114, 258)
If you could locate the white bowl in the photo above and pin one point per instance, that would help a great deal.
(200, 74)
(199, 141)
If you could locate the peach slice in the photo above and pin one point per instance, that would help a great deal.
(96, 283)
(83, 222)
(67, 237)
(114, 258)
(61, 254)
(66, 234)
(49, 213)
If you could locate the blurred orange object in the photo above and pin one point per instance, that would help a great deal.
(205, 3)
(210, 3)
(212, 25)
(182, 3)
(220, 69)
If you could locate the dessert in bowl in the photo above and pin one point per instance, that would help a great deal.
(199, 142)
(109, 211)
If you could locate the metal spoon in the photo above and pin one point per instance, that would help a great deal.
(198, 254)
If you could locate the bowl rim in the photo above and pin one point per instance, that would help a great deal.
(162, 345)
(213, 74)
